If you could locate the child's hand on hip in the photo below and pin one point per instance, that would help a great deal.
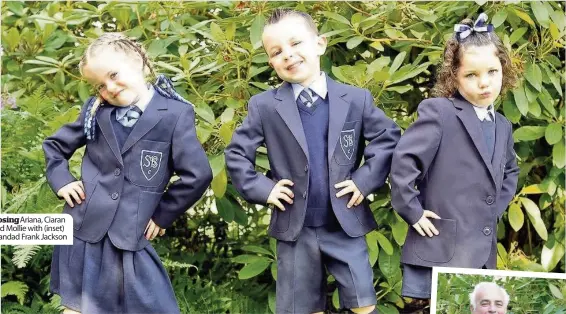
(281, 192)
(74, 190)
(152, 230)
(424, 225)
(350, 187)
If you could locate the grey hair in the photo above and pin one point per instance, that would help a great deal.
(485, 284)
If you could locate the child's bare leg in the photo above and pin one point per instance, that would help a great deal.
(363, 310)
(67, 310)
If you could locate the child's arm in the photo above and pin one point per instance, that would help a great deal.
(413, 155)
(382, 135)
(240, 158)
(59, 148)
(191, 165)
(510, 176)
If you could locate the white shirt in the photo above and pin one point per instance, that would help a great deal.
(318, 88)
(481, 112)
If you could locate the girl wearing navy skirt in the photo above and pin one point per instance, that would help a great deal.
(137, 135)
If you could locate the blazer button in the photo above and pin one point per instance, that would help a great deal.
(305, 194)
(487, 231)
(117, 172)
(489, 199)
(114, 196)
(306, 168)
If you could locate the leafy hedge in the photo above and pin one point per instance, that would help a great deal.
(213, 53)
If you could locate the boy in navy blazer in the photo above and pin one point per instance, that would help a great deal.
(316, 132)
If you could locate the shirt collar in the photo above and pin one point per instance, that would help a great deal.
(481, 112)
(121, 111)
(318, 86)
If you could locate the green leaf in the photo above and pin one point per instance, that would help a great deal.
(553, 133)
(336, 17)
(219, 184)
(524, 16)
(17, 288)
(558, 155)
(336, 299)
(517, 34)
(384, 243)
(554, 78)
(511, 111)
(256, 31)
(381, 76)
(206, 113)
(271, 300)
(555, 291)
(533, 75)
(389, 264)
(529, 133)
(534, 215)
(217, 163)
(399, 230)
(521, 100)
(540, 12)
(256, 249)
(217, 32)
(549, 258)
(253, 269)
(499, 18)
(354, 42)
(516, 216)
(397, 62)
(247, 259)
(224, 207)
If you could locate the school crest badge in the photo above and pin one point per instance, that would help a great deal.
(347, 142)
(150, 162)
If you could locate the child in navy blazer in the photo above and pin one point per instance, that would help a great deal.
(456, 163)
(316, 132)
(136, 135)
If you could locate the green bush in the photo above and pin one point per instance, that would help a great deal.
(213, 53)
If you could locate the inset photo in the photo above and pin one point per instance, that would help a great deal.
(482, 291)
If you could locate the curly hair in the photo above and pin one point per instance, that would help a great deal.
(446, 84)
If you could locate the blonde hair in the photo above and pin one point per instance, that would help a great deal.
(119, 42)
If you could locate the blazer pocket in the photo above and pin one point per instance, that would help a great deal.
(347, 146)
(281, 220)
(439, 248)
(147, 204)
(153, 160)
(79, 211)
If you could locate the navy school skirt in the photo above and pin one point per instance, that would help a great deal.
(100, 278)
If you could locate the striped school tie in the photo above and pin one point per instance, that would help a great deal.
(306, 97)
(131, 117)
(491, 117)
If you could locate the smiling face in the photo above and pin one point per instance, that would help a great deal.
(479, 75)
(117, 76)
(294, 50)
(489, 300)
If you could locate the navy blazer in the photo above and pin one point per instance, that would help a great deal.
(441, 164)
(125, 187)
(273, 120)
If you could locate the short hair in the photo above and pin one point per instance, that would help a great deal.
(280, 13)
(446, 84)
(485, 284)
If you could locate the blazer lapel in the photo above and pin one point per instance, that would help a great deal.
(289, 112)
(472, 124)
(338, 111)
(150, 117)
(105, 125)
(500, 140)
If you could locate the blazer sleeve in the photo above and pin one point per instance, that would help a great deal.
(60, 147)
(382, 135)
(190, 163)
(414, 154)
(240, 158)
(510, 176)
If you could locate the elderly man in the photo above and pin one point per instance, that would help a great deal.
(488, 298)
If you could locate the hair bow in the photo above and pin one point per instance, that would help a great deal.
(480, 26)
